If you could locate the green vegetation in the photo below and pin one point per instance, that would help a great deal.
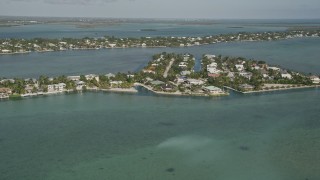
(217, 73)
(44, 44)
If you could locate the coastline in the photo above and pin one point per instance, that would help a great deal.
(178, 93)
(173, 46)
(133, 90)
(272, 90)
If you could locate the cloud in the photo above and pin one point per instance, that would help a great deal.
(71, 2)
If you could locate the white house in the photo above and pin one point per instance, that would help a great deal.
(56, 87)
(213, 64)
(73, 78)
(112, 45)
(210, 56)
(92, 76)
(6, 51)
(213, 90)
(315, 79)
(183, 64)
(285, 74)
(195, 82)
(213, 70)
(116, 82)
(80, 85)
(240, 67)
(51, 88)
(274, 68)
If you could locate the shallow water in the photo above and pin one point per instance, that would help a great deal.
(123, 136)
(134, 29)
(296, 54)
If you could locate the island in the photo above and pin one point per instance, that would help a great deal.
(172, 74)
(13, 46)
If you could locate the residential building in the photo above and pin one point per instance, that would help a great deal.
(195, 82)
(239, 67)
(274, 68)
(167, 87)
(315, 79)
(73, 78)
(5, 92)
(213, 90)
(285, 74)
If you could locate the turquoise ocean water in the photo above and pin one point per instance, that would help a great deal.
(120, 136)
(296, 54)
(144, 136)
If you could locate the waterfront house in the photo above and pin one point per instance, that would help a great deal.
(167, 87)
(6, 51)
(56, 87)
(210, 56)
(212, 90)
(181, 79)
(315, 79)
(246, 87)
(115, 83)
(285, 74)
(7, 80)
(51, 88)
(112, 45)
(274, 68)
(29, 88)
(79, 85)
(5, 92)
(195, 81)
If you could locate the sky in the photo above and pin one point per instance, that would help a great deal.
(210, 9)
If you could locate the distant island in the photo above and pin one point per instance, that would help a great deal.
(148, 30)
(13, 46)
(171, 74)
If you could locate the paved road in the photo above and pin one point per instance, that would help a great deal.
(165, 74)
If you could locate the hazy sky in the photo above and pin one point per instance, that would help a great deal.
(213, 9)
